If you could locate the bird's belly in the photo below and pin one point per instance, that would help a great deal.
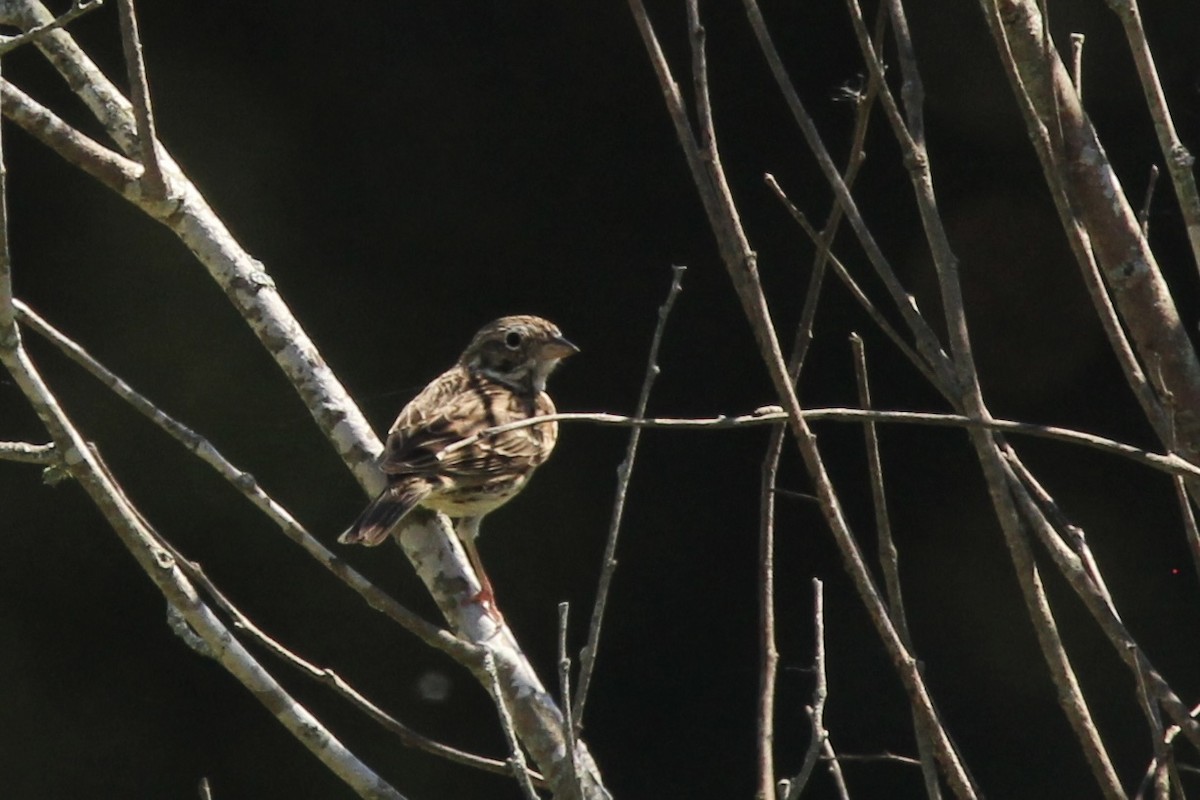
(474, 501)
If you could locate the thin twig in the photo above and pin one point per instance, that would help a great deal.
(1144, 214)
(29, 453)
(564, 684)
(1077, 40)
(10, 336)
(1067, 531)
(885, 758)
(1179, 161)
(143, 112)
(1168, 463)
(516, 758)
(927, 341)
(1073, 568)
(205, 790)
(889, 557)
(1162, 753)
(852, 285)
(624, 474)
(77, 9)
(816, 711)
(1190, 528)
(768, 651)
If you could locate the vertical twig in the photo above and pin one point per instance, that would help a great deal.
(816, 712)
(889, 557)
(1144, 214)
(9, 335)
(564, 682)
(768, 652)
(516, 758)
(1162, 752)
(624, 473)
(143, 112)
(1077, 40)
(205, 790)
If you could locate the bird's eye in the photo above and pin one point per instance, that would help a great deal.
(512, 340)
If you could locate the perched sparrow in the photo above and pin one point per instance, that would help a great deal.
(499, 378)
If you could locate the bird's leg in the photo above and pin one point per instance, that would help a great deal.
(468, 530)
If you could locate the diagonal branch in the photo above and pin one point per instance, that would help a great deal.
(245, 483)
(244, 279)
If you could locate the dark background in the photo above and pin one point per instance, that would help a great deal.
(406, 172)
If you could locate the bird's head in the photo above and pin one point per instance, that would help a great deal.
(519, 351)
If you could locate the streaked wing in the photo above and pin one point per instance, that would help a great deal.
(459, 405)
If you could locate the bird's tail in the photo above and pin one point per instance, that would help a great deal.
(376, 522)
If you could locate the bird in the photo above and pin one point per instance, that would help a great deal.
(435, 457)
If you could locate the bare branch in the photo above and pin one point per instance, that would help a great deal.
(111, 169)
(1077, 62)
(926, 340)
(1190, 529)
(819, 741)
(77, 10)
(1179, 161)
(768, 652)
(143, 111)
(889, 557)
(1168, 463)
(1075, 570)
(29, 453)
(887, 758)
(564, 680)
(624, 474)
(856, 291)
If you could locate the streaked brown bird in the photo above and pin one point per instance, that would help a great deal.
(500, 378)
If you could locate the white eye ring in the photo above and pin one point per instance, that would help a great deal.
(512, 340)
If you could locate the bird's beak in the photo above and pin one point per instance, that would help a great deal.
(558, 347)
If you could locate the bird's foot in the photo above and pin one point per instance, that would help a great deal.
(484, 597)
